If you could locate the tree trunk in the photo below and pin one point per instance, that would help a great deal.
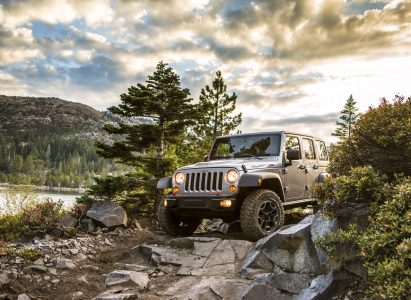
(215, 118)
(160, 149)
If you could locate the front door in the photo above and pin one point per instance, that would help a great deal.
(294, 172)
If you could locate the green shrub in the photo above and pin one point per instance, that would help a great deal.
(29, 254)
(381, 138)
(386, 246)
(35, 219)
(9, 227)
(363, 184)
(39, 218)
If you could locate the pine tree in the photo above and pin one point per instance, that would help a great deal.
(216, 109)
(164, 111)
(348, 117)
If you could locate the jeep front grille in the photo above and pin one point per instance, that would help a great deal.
(204, 182)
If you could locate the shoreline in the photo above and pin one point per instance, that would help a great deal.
(44, 188)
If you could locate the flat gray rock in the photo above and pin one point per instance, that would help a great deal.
(223, 254)
(241, 248)
(127, 278)
(23, 297)
(4, 279)
(63, 263)
(109, 295)
(205, 248)
(108, 214)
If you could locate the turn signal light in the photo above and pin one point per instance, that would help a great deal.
(165, 202)
(232, 188)
(175, 190)
(225, 203)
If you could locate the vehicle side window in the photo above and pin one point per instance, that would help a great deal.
(323, 154)
(292, 142)
(308, 148)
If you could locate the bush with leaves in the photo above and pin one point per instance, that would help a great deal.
(385, 244)
(386, 247)
(362, 185)
(380, 138)
(33, 220)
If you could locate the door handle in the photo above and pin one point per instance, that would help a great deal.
(301, 167)
(315, 167)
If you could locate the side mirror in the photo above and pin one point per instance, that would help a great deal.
(205, 158)
(293, 154)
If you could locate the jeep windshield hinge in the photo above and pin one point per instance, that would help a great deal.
(244, 168)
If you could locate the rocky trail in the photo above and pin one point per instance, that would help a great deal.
(141, 262)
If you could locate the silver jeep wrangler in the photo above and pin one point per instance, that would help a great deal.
(249, 177)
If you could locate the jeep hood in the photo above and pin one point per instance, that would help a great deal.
(249, 163)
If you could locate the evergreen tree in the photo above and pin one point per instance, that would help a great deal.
(167, 111)
(217, 108)
(348, 117)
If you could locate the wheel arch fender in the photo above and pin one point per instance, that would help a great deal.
(265, 180)
(164, 183)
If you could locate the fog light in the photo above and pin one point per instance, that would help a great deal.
(260, 181)
(165, 202)
(175, 190)
(232, 188)
(225, 203)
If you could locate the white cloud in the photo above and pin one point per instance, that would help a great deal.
(10, 56)
(287, 60)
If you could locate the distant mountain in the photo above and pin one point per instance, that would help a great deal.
(48, 116)
(50, 141)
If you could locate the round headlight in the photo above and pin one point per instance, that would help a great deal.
(179, 178)
(232, 176)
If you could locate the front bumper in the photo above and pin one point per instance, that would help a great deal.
(204, 206)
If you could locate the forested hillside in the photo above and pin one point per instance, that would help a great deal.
(49, 141)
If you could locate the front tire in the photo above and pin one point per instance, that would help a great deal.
(261, 214)
(175, 225)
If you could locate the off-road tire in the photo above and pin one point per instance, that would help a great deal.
(175, 225)
(250, 210)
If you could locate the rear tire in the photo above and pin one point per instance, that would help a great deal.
(175, 225)
(261, 214)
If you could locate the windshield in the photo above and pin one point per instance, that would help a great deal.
(246, 146)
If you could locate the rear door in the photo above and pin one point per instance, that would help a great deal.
(322, 156)
(294, 173)
(310, 159)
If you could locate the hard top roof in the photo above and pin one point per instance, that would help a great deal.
(271, 132)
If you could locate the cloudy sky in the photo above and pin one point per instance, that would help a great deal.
(292, 63)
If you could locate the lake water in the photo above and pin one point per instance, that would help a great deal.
(68, 199)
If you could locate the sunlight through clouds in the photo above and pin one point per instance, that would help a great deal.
(292, 63)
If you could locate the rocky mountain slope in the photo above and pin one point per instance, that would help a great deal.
(52, 116)
(47, 115)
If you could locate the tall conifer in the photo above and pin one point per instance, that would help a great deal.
(348, 117)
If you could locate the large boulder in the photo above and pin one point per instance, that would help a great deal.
(327, 286)
(320, 227)
(292, 283)
(292, 249)
(108, 214)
